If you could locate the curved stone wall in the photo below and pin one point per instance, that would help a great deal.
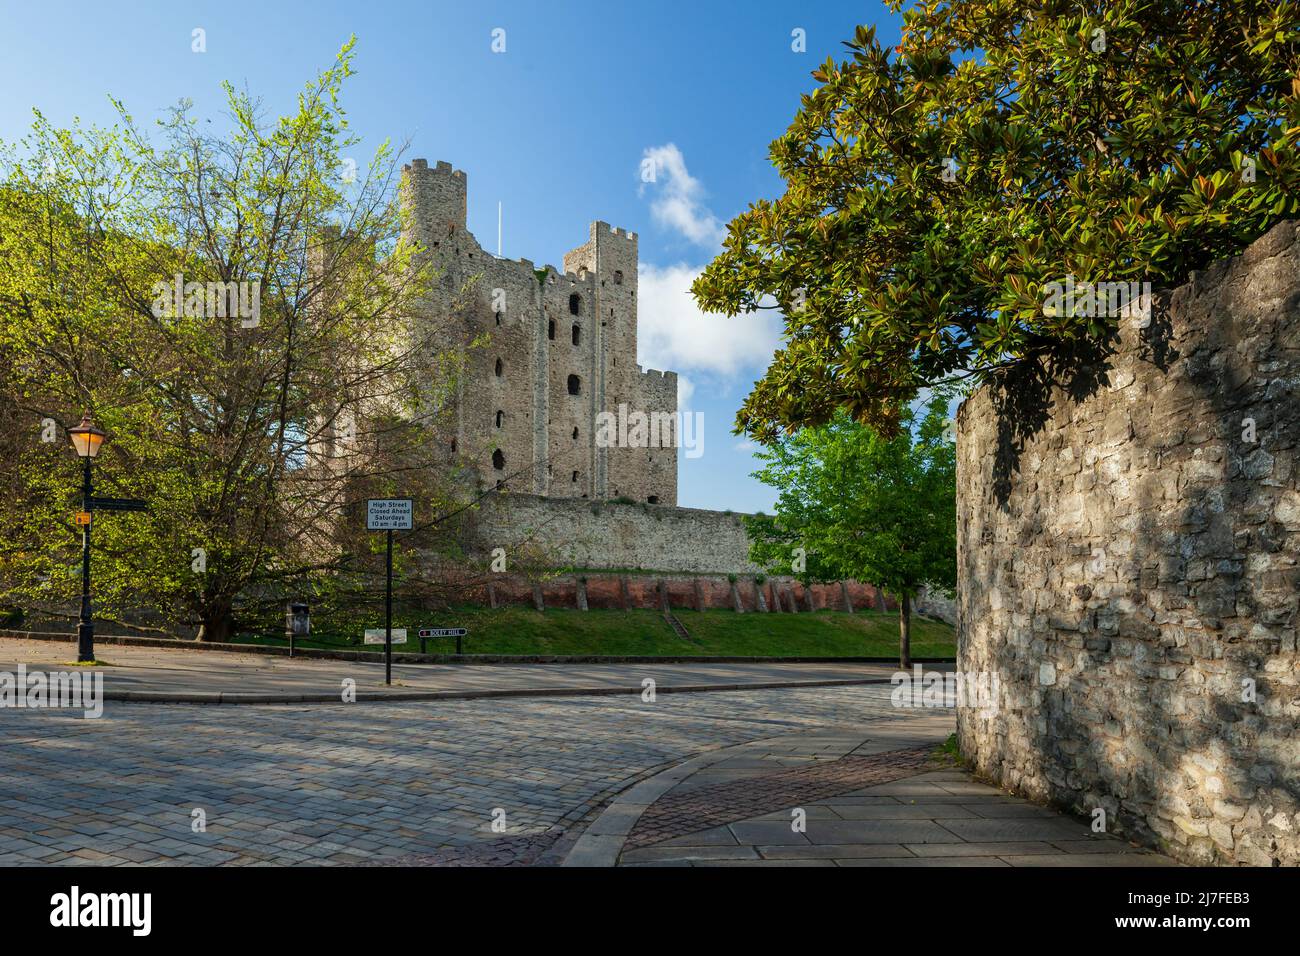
(1127, 548)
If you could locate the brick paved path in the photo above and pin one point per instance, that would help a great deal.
(358, 783)
(870, 797)
(687, 811)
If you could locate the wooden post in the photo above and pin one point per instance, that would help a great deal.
(663, 596)
(699, 594)
(759, 603)
(844, 593)
(624, 599)
(492, 595)
(735, 599)
(582, 594)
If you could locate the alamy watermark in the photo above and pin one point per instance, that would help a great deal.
(624, 429)
(1092, 299)
(212, 300)
(42, 690)
(979, 690)
(132, 911)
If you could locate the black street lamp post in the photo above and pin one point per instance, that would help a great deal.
(86, 439)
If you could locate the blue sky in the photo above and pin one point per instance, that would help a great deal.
(555, 128)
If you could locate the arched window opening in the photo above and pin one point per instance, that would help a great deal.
(575, 432)
(575, 477)
(653, 499)
(618, 277)
(500, 368)
(550, 329)
(500, 417)
(575, 304)
(498, 460)
(575, 385)
(577, 334)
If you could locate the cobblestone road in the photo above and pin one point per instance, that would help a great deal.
(360, 783)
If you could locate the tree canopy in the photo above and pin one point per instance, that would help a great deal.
(232, 303)
(933, 190)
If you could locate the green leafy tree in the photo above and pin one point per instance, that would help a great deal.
(865, 506)
(255, 419)
(934, 190)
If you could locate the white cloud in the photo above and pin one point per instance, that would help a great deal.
(674, 334)
(676, 197)
(685, 392)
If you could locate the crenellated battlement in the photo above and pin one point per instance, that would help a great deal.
(442, 168)
(654, 373)
(605, 230)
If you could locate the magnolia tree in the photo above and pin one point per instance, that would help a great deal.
(233, 304)
(940, 195)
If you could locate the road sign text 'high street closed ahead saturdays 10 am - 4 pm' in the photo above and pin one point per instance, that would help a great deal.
(389, 515)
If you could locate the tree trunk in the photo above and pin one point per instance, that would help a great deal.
(216, 626)
(905, 631)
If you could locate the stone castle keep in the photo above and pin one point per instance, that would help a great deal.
(561, 349)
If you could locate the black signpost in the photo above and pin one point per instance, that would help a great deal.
(86, 441)
(388, 515)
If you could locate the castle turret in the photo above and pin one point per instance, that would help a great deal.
(435, 201)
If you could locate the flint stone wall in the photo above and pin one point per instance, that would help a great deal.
(1127, 548)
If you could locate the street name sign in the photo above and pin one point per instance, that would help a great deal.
(442, 632)
(117, 504)
(388, 514)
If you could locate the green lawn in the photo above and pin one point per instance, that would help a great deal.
(518, 630)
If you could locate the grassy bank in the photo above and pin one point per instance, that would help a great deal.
(518, 630)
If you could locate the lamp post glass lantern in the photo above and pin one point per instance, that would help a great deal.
(86, 440)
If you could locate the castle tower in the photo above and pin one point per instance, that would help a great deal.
(560, 348)
(436, 202)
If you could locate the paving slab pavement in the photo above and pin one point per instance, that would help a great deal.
(143, 673)
(923, 813)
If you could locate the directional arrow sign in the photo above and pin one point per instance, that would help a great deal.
(443, 632)
(117, 504)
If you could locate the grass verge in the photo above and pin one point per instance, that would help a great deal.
(566, 632)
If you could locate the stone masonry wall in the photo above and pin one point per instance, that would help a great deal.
(610, 534)
(1127, 548)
